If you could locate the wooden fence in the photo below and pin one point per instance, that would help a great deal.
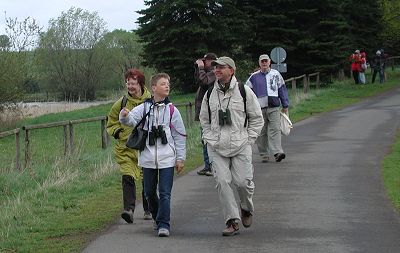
(306, 81)
(68, 134)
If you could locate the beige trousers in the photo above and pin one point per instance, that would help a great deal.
(233, 174)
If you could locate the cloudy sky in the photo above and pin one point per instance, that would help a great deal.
(119, 14)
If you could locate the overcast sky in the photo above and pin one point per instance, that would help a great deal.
(118, 14)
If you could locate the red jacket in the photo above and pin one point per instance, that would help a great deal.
(355, 60)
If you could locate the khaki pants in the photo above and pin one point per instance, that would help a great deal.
(233, 173)
(269, 140)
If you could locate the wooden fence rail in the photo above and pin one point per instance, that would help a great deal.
(306, 81)
(68, 133)
(17, 146)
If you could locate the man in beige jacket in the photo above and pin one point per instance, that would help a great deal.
(229, 129)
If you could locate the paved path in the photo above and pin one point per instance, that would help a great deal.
(326, 196)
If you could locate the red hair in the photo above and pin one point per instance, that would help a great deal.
(136, 75)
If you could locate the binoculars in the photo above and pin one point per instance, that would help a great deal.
(224, 117)
(157, 132)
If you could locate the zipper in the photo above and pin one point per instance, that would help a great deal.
(155, 146)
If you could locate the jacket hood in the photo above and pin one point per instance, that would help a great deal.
(146, 94)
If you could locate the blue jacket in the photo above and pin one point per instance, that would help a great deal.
(269, 88)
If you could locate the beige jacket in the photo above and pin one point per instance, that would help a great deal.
(229, 140)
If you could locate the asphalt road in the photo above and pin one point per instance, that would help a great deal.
(326, 196)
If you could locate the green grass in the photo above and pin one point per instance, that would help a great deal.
(61, 202)
(391, 173)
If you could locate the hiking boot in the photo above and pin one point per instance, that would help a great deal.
(163, 232)
(147, 215)
(279, 157)
(232, 228)
(264, 158)
(247, 218)
(127, 216)
(205, 172)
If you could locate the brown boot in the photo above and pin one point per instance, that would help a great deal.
(232, 228)
(247, 218)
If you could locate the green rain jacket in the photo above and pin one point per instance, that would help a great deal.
(127, 158)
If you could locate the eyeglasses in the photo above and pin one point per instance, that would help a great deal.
(221, 66)
(264, 60)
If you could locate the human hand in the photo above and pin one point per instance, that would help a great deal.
(179, 166)
(200, 63)
(124, 112)
(285, 111)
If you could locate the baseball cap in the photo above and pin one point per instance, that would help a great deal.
(210, 56)
(263, 57)
(224, 60)
(357, 51)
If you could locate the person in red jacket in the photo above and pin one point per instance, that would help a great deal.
(355, 60)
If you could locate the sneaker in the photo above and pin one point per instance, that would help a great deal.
(163, 232)
(127, 216)
(232, 228)
(147, 216)
(205, 172)
(155, 226)
(247, 218)
(264, 158)
(279, 157)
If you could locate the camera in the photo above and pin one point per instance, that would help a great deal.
(224, 118)
(157, 132)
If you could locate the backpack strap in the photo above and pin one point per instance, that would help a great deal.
(208, 102)
(123, 102)
(243, 93)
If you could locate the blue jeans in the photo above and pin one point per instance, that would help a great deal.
(159, 206)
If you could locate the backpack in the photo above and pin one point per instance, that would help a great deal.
(242, 92)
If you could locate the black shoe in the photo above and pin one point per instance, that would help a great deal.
(279, 157)
(127, 216)
(205, 172)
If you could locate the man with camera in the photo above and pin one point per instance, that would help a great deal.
(204, 77)
(229, 131)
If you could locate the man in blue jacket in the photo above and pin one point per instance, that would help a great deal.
(271, 92)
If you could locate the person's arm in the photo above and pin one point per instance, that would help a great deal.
(131, 118)
(283, 95)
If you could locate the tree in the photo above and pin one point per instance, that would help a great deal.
(391, 26)
(123, 50)
(16, 59)
(178, 32)
(71, 55)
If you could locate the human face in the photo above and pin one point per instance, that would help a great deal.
(223, 73)
(161, 89)
(133, 87)
(264, 65)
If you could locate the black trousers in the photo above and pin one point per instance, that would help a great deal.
(356, 76)
(129, 194)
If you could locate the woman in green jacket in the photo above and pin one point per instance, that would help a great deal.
(127, 158)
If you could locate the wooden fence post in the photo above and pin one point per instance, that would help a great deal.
(305, 84)
(65, 139)
(71, 137)
(17, 151)
(103, 134)
(294, 84)
(317, 80)
(26, 148)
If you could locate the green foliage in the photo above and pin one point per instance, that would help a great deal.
(16, 60)
(391, 26)
(70, 53)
